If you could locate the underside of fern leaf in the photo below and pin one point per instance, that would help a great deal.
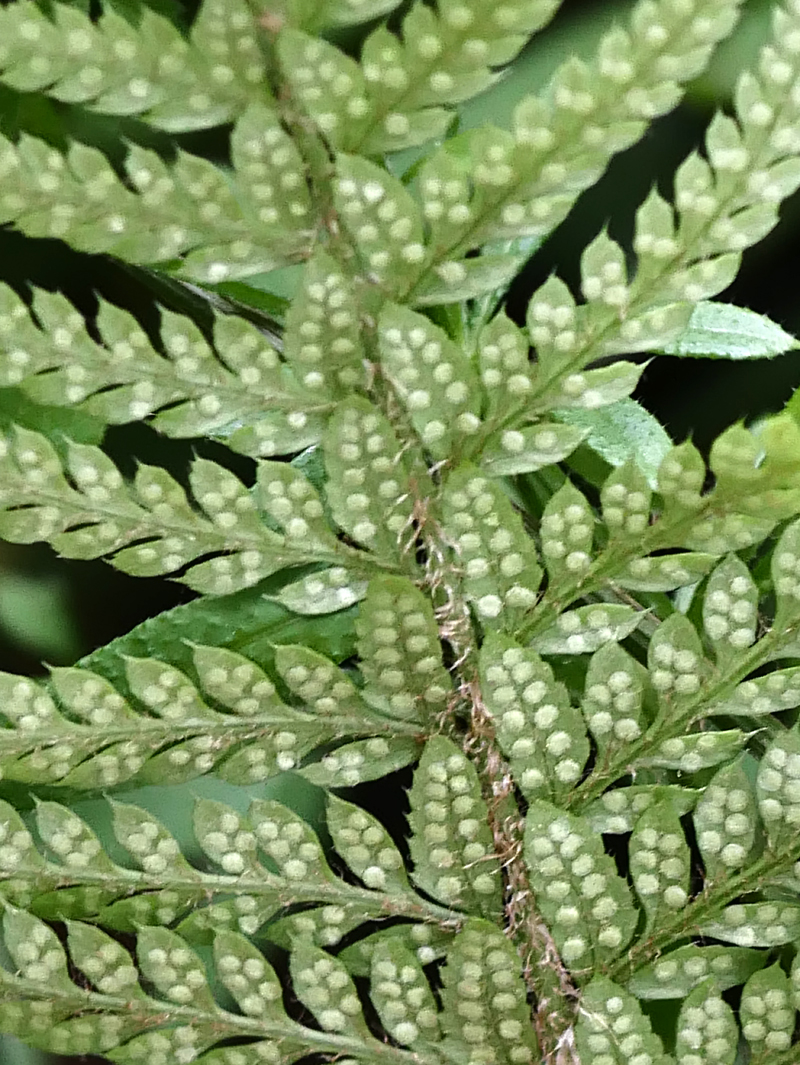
(580, 691)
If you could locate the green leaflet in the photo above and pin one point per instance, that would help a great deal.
(93, 737)
(587, 906)
(777, 789)
(401, 657)
(541, 734)
(248, 622)
(620, 432)
(725, 819)
(254, 861)
(451, 845)
(368, 486)
(433, 378)
(721, 331)
(660, 863)
(768, 1012)
(501, 572)
(756, 924)
(675, 974)
(613, 698)
(482, 970)
(706, 1026)
(171, 85)
(610, 1021)
(618, 810)
(402, 995)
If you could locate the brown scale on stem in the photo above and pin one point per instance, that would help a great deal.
(547, 978)
(553, 993)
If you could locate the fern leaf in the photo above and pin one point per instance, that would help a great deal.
(677, 973)
(726, 818)
(518, 179)
(96, 738)
(400, 94)
(70, 875)
(102, 516)
(112, 66)
(767, 1012)
(706, 1027)
(501, 571)
(451, 845)
(541, 734)
(611, 1024)
(587, 906)
(660, 863)
(482, 971)
(229, 229)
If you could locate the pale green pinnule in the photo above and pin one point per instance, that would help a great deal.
(586, 628)
(402, 995)
(112, 66)
(325, 987)
(321, 340)
(525, 182)
(323, 592)
(696, 750)
(513, 451)
(660, 863)
(778, 790)
(779, 690)
(626, 501)
(486, 1014)
(361, 761)
(498, 560)
(677, 973)
(541, 734)
(588, 907)
(248, 976)
(451, 842)
(726, 821)
(366, 846)
(567, 532)
(617, 810)
(432, 376)
(612, 1025)
(401, 657)
(290, 501)
(756, 924)
(613, 698)
(368, 488)
(706, 1028)
(730, 609)
(767, 1012)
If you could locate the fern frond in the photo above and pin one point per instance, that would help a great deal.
(70, 875)
(150, 527)
(81, 732)
(148, 69)
(496, 185)
(398, 94)
(228, 225)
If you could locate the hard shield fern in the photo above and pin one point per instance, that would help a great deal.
(593, 687)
